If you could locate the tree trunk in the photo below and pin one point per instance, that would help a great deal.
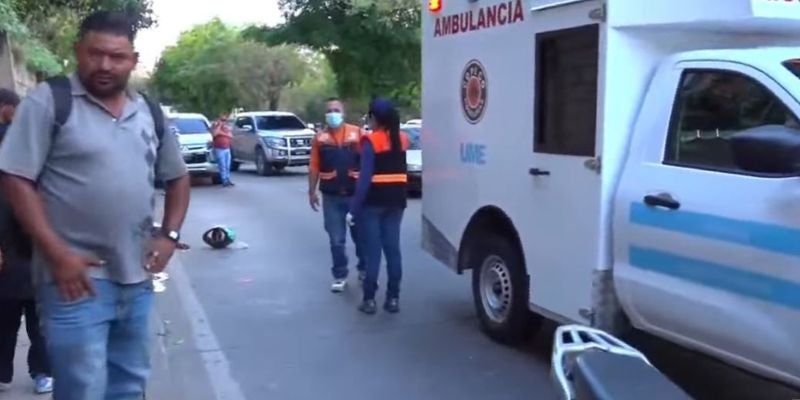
(274, 101)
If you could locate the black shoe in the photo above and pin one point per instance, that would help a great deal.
(392, 306)
(368, 307)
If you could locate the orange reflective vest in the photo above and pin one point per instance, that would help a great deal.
(339, 161)
(389, 181)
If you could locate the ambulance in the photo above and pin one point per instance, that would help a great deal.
(621, 164)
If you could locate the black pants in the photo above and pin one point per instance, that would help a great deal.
(11, 312)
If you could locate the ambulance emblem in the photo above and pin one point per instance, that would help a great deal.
(473, 91)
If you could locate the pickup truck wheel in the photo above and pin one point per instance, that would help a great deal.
(500, 292)
(263, 167)
(215, 179)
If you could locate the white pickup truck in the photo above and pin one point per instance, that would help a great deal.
(621, 163)
(194, 136)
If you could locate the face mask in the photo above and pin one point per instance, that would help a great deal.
(334, 119)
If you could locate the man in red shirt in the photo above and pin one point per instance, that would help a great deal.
(222, 148)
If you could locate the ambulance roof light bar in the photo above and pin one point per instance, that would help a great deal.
(435, 5)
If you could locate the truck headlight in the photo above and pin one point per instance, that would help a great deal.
(275, 142)
(414, 167)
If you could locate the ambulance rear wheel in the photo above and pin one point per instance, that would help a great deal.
(500, 292)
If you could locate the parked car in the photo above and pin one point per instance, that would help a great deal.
(273, 140)
(415, 122)
(414, 158)
(194, 136)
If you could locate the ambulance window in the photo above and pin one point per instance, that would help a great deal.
(711, 106)
(566, 91)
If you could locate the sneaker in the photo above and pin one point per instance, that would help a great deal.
(392, 306)
(338, 286)
(5, 386)
(43, 384)
(368, 307)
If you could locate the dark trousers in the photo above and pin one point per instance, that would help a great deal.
(334, 212)
(380, 227)
(11, 312)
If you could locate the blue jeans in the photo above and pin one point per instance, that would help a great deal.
(98, 346)
(380, 227)
(334, 212)
(223, 157)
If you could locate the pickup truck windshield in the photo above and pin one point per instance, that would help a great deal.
(279, 123)
(414, 138)
(188, 126)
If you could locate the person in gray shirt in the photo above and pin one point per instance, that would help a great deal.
(86, 196)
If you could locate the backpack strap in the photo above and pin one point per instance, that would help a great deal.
(158, 117)
(62, 101)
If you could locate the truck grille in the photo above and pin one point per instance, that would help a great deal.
(196, 158)
(300, 142)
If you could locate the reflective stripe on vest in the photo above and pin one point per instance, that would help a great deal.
(390, 178)
(338, 162)
(389, 182)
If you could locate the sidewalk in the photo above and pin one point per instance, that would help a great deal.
(159, 386)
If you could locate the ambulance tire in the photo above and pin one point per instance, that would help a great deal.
(500, 292)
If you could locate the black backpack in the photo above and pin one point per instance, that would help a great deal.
(62, 101)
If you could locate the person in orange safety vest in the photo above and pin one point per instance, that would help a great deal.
(380, 201)
(334, 169)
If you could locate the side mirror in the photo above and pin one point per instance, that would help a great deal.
(769, 149)
(249, 128)
(311, 126)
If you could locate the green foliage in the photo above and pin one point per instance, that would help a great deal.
(38, 57)
(53, 27)
(192, 74)
(373, 46)
(259, 73)
(307, 97)
(212, 69)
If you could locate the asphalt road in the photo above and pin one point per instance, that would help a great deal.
(261, 323)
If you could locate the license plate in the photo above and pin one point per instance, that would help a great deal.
(301, 152)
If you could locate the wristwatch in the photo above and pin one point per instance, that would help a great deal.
(175, 236)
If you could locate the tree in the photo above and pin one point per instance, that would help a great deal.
(373, 46)
(307, 97)
(260, 73)
(55, 22)
(212, 69)
(192, 74)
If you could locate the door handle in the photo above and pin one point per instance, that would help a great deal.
(664, 200)
(538, 172)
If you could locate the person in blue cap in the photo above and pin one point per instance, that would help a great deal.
(379, 202)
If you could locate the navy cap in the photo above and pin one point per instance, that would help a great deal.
(380, 106)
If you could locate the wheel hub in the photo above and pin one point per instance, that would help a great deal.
(496, 288)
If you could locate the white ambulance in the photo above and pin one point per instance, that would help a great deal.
(618, 163)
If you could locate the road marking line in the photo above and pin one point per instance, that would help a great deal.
(214, 360)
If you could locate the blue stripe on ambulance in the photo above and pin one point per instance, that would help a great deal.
(769, 237)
